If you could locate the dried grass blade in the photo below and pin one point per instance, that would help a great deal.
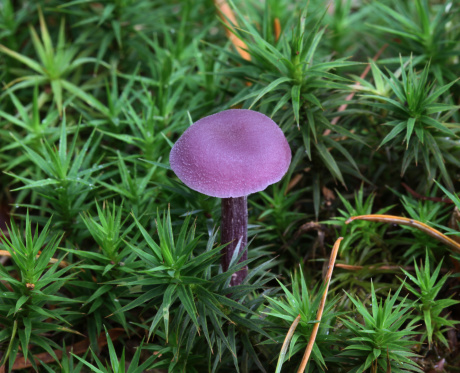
(411, 223)
(286, 342)
(314, 332)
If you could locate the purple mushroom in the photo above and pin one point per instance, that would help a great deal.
(230, 155)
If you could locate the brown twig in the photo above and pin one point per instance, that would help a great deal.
(229, 19)
(411, 223)
(425, 198)
(314, 332)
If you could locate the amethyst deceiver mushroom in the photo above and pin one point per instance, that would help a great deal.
(230, 155)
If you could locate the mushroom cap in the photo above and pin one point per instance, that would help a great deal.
(231, 154)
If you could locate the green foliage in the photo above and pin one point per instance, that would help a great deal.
(362, 240)
(423, 29)
(416, 118)
(107, 233)
(302, 302)
(345, 22)
(96, 93)
(114, 261)
(454, 230)
(34, 127)
(10, 20)
(117, 364)
(25, 300)
(427, 288)
(363, 244)
(175, 277)
(56, 63)
(430, 213)
(293, 83)
(64, 176)
(380, 341)
(133, 188)
(278, 217)
(67, 364)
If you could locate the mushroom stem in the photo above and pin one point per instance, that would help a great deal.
(234, 228)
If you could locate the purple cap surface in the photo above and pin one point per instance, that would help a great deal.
(231, 154)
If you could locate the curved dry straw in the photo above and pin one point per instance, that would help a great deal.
(314, 332)
(319, 314)
(390, 219)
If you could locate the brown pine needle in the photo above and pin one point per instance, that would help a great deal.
(425, 198)
(411, 223)
(314, 332)
(62, 264)
(351, 95)
(394, 268)
(294, 181)
(229, 18)
(351, 267)
(277, 28)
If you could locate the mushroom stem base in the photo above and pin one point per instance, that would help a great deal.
(234, 229)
